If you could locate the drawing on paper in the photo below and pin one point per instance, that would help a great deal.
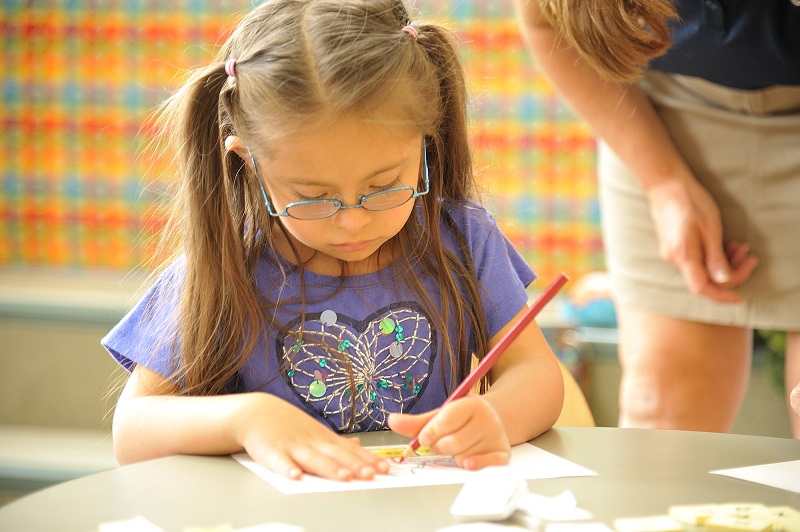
(425, 468)
(422, 460)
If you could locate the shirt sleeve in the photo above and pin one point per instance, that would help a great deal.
(146, 335)
(503, 273)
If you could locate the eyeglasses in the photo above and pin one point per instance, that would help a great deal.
(324, 208)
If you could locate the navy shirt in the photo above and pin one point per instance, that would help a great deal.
(742, 44)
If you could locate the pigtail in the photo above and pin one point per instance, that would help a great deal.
(450, 163)
(217, 302)
(452, 156)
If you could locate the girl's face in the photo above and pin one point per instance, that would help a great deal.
(347, 159)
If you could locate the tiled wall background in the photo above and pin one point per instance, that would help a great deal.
(79, 79)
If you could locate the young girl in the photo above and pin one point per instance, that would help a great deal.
(334, 273)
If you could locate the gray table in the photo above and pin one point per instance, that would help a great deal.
(640, 472)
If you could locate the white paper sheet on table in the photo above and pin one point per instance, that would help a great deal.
(527, 462)
(783, 475)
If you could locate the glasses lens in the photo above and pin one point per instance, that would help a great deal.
(388, 199)
(313, 210)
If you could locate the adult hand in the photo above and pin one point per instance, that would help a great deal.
(689, 230)
(286, 440)
(794, 399)
(468, 429)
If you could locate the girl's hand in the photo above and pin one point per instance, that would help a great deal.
(284, 439)
(689, 230)
(469, 429)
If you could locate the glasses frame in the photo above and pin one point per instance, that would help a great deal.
(337, 201)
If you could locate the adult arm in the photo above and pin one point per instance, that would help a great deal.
(687, 219)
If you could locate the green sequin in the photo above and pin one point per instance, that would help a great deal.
(317, 389)
(386, 326)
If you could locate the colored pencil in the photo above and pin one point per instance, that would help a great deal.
(494, 353)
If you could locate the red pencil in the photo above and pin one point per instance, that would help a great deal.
(494, 353)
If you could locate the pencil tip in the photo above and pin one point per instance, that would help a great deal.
(408, 453)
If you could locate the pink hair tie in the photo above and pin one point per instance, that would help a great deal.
(230, 67)
(411, 30)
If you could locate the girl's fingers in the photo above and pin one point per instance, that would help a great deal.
(364, 464)
(340, 461)
(468, 427)
(473, 448)
(410, 424)
(479, 461)
(378, 464)
(453, 419)
(281, 464)
(467, 441)
(323, 462)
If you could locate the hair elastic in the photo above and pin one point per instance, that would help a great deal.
(230, 67)
(411, 30)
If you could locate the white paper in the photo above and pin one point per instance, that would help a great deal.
(783, 475)
(527, 462)
(577, 527)
(562, 507)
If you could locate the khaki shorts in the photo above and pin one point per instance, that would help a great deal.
(744, 147)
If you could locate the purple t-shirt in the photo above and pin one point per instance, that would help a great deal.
(379, 329)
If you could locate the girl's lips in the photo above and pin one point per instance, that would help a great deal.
(354, 246)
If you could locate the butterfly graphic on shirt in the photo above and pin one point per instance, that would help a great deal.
(359, 370)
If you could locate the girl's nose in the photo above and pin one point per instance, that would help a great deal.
(352, 220)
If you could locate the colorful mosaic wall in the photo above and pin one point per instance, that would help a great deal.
(79, 79)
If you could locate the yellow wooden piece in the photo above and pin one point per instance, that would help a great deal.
(727, 523)
(693, 514)
(784, 519)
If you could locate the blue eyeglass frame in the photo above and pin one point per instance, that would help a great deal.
(335, 201)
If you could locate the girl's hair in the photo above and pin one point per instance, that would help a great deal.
(299, 62)
(615, 37)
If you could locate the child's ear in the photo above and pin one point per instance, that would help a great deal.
(234, 144)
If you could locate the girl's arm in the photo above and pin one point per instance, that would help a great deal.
(687, 219)
(524, 400)
(527, 388)
(150, 421)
